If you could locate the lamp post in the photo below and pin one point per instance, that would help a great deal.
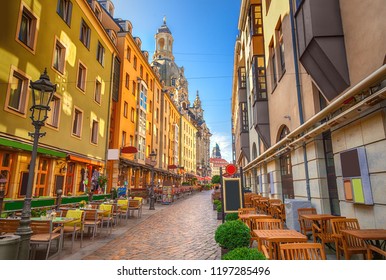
(42, 93)
(153, 157)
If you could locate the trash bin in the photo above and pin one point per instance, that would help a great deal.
(291, 212)
(9, 246)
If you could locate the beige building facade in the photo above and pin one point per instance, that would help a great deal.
(321, 94)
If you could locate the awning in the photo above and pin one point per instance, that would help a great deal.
(84, 160)
(28, 147)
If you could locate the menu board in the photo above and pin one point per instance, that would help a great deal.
(167, 194)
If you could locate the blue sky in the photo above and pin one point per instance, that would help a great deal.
(204, 34)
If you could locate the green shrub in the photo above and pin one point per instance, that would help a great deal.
(244, 253)
(216, 201)
(231, 216)
(232, 234)
(219, 207)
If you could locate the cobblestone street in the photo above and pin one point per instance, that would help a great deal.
(183, 230)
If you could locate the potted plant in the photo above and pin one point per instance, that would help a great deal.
(216, 202)
(219, 211)
(102, 180)
(244, 253)
(231, 235)
(231, 216)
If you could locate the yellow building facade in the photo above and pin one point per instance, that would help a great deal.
(66, 38)
(188, 134)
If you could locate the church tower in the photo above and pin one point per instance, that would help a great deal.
(163, 43)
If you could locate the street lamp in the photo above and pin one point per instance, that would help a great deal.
(42, 93)
(153, 157)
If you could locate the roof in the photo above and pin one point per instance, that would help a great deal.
(218, 161)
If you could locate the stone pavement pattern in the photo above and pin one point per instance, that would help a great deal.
(183, 230)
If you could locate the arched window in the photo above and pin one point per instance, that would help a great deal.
(254, 151)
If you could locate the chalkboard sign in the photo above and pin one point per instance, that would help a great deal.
(232, 194)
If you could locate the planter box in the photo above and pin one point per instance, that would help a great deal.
(219, 215)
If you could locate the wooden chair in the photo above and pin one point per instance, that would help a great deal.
(75, 227)
(135, 205)
(123, 208)
(371, 250)
(324, 234)
(246, 210)
(107, 216)
(265, 252)
(92, 221)
(43, 233)
(268, 223)
(9, 225)
(262, 205)
(254, 225)
(302, 251)
(305, 225)
(345, 243)
(277, 211)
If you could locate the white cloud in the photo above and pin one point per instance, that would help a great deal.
(225, 143)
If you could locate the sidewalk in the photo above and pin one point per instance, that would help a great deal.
(183, 230)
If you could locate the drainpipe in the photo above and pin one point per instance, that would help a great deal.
(109, 123)
(299, 97)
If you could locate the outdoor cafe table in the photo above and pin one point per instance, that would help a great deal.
(376, 237)
(274, 237)
(320, 220)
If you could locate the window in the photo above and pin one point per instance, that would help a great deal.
(5, 168)
(42, 177)
(150, 128)
(94, 132)
(17, 92)
(132, 114)
(143, 99)
(141, 71)
(244, 117)
(125, 109)
(27, 30)
(128, 54)
(64, 10)
(123, 143)
(59, 57)
(150, 106)
(131, 140)
(135, 62)
(98, 92)
(259, 78)
(77, 123)
(127, 81)
(85, 33)
(82, 73)
(280, 43)
(101, 54)
(134, 87)
(98, 12)
(273, 65)
(53, 114)
(256, 20)
(242, 78)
